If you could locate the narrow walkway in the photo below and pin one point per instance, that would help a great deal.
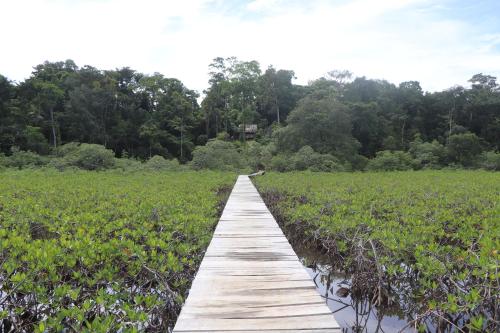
(251, 279)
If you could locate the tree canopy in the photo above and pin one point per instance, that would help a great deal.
(348, 118)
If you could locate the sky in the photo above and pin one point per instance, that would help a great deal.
(440, 43)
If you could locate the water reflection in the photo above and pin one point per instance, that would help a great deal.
(354, 314)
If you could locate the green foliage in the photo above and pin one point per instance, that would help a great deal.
(3, 161)
(464, 149)
(427, 154)
(66, 149)
(158, 163)
(101, 252)
(217, 155)
(348, 118)
(34, 140)
(322, 124)
(490, 161)
(86, 156)
(24, 159)
(128, 164)
(258, 156)
(390, 161)
(281, 163)
(307, 159)
(430, 239)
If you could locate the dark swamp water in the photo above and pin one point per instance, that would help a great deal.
(354, 314)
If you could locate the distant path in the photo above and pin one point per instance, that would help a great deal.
(251, 279)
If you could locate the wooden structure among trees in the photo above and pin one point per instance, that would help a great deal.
(249, 130)
(251, 279)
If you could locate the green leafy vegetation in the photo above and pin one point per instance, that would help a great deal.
(217, 155)
(102, 251)
(426, 240)
(344, 120)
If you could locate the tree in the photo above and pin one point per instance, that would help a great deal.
(427, 154)
(217, 155)
(322, 124)
(48, 96)
(276, 95)
(464, 148)
(8, 124)
(369, 127)
(481, 81)
(390, 161)
(215, 105)
(172, 113)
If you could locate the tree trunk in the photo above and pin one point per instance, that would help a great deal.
(53, 125)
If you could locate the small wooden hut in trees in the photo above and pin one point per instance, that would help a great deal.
(248, 131)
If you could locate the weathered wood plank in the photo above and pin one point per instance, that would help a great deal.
(250, 279)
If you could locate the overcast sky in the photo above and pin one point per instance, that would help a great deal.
(439, 43)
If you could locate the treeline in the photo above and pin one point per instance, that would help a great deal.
(336, 122)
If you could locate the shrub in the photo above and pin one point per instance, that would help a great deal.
(66, 149)
(427, 154)
(158, 163)
(357, 162)
(258, 156)
(281, 163)
(128, 164)
(464, 149)
(490, 161)
(307, 159)
(24, 159)
(217, 155)
(87, 156)
(326, 163)
(3, 161)
(390, 161)
(34, 140)
(304, 158)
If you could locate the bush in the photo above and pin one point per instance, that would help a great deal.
(66, 149)
(427, 154)
(464, 149)
(490, 161)
(390, 161)
(87, 156)
(358, 163)
(307, 159)
(217, 155)
(3, 161)
(34, 140)
(158, 163)
(326, 163)
(128, 164)
(304, 158)
(281, 163)
(24, 159)
(258, 156)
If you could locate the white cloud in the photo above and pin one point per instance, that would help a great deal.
(393, 39)
(260, 5)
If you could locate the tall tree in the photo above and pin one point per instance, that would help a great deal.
(324, 125)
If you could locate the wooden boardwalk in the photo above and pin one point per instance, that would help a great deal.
(251, 279)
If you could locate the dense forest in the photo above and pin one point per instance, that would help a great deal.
(336, 122)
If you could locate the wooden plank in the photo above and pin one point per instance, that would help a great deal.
(250, 279)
